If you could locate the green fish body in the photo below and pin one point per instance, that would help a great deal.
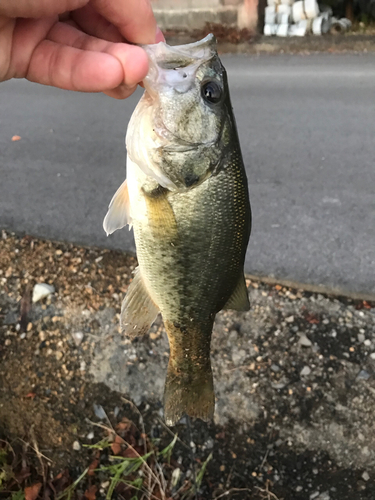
(186, 196)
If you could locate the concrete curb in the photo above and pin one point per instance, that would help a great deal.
(309, 287)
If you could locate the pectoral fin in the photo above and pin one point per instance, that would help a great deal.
(138, 310)
(118, 214)
(239, 300)
(160, 214)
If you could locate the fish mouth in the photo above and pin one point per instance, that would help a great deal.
(175, 144)
(169, 68)
(180, 56)
(176, 66)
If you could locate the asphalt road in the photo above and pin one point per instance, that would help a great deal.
(307, 128)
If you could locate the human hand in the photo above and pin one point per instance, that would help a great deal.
(77, 44)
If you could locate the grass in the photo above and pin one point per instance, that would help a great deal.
(151, 482)
(124, 468)
(18, 495)
(137, 471)
(67, 494)
(202, 471)
(7, 476)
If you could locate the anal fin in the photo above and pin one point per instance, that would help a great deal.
(138, 310)
(118, 214)
(239, 300)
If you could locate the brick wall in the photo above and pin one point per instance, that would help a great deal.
(186, 4)
(194, 14)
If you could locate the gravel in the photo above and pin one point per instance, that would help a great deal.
(294, 376)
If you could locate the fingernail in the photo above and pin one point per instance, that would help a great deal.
(159, 37)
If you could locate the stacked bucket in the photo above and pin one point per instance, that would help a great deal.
(296, 18)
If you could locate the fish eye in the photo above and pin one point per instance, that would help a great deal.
(211, 92)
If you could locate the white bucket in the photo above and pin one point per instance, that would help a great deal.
(284, 9)
(270, 9)
(293, 28)
(305, 9)
(270, 29)
(311, 9)
(298, 11)
(301, 28)
(284, 14)
(321, 25)
(270, 15)
(284, 18)
(309, 23)
(282, 30)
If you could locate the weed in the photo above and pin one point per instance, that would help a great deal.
(18, 495)
(6, 473)
(167, 452)
(68, 492)
(202, 471)
(126, 467)
(100, 445)
(149, 474)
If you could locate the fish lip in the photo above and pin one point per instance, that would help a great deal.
(177, 149)
(183, 146)
(164, 58)
(177, 144)
(201, 50)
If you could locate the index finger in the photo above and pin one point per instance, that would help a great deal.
(133, 18)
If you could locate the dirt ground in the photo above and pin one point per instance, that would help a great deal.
(230, 40)
(294, 379)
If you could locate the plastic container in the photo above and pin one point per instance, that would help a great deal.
(305, 9)
(321, 25)
(282, 30)
(284, 18)
(270, 29)
(311, 9)
(340, 25)
(270, 15)
(284, 9)
(300, 29)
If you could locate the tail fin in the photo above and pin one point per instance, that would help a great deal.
(190, 393)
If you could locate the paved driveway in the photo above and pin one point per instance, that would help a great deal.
(307, 128)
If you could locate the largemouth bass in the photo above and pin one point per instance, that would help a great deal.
(186, 197)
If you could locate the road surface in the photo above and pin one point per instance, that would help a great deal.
(307, 128)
